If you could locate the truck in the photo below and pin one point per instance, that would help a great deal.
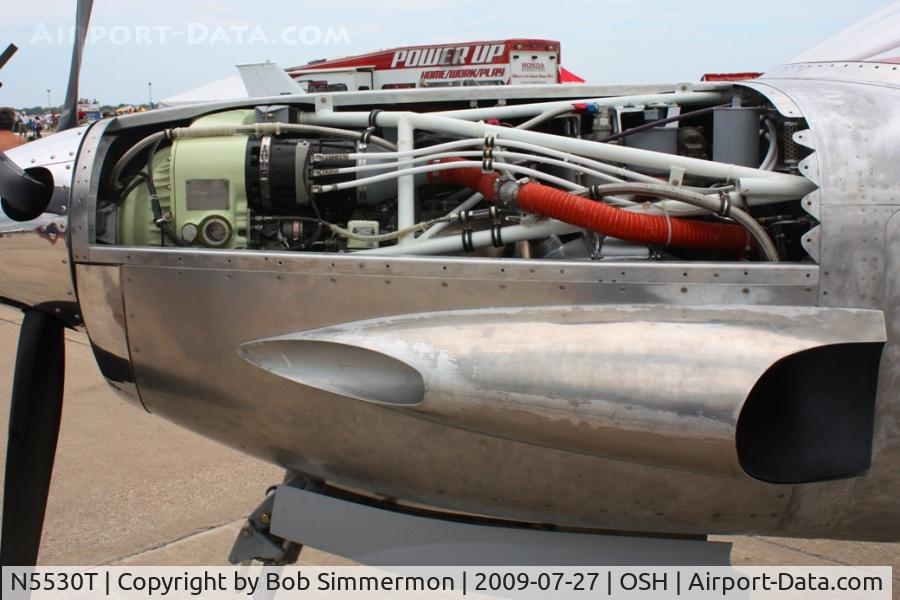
(497, 62)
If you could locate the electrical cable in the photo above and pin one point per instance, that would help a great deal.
(648, 126)
(132, 152)
(346, 185)
(383, 237)
(455, 144)
(470, 153)
(159, 218)
(435, 229)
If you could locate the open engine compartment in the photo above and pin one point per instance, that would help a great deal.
(689, 175)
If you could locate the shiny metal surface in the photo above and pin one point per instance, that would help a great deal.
(35, 269)
(100, 296)
(85, 184)
(58, 148)
(56, 153)
(189, 312)
(393, 538)
(188, 370)
(653, 384)
(844, 71)
(853, 115)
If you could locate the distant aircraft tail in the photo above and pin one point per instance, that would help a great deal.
(267, 79)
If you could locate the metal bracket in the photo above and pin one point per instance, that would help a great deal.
(324, 103)
(256, 542)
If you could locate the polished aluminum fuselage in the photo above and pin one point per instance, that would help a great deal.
(168, 326)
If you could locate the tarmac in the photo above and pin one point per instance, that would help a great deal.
(132, 489)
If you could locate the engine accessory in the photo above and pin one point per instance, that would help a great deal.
(736, 135)
(204, 199)
(367, 228)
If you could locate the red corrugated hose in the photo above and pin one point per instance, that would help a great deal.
(656, 230)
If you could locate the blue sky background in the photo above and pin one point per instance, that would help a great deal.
(607, 41)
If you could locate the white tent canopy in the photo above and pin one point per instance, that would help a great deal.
(229, 88)
(875, 36)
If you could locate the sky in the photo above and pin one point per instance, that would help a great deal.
(180, 44)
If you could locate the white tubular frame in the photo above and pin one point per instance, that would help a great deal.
(480, 239)
(794, 185)
(406, 186)
(537, 108)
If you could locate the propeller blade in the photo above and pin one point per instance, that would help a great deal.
(7, 54)
(34, 418)
(69, 117)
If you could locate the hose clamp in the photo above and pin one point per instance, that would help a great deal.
(487, 154)
(506, 190)
(467, 243)
(496, 228)
(725, 208)
(373, 115)
(367, 134)
(497, 236)
(265, 187)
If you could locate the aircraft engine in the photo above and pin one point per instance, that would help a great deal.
(258, 178)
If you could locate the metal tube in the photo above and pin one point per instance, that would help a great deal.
(389, 165)
(480, 239)
(766, 247)
(771, 158)
(260, 129)
(401, 172)
(604, 152)
(435, 229)
(406, 188)
(545, 116)
(757, 191)
(537, 108)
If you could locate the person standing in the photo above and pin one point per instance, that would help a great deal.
(8, 138)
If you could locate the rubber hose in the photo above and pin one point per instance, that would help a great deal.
(657, 230)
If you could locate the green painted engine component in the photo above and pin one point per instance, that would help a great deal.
(136, 226)
(201, 183)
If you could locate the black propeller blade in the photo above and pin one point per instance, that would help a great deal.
(7, 54)
(37, 394)
(69, 116)
(34, 418)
